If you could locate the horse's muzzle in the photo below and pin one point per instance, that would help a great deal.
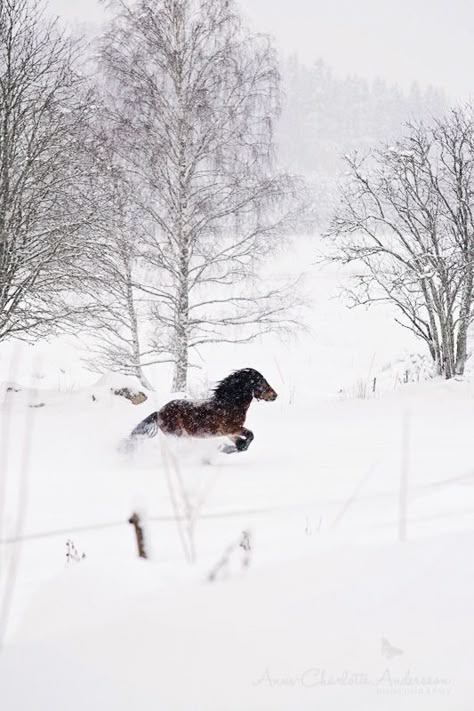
(269, 395)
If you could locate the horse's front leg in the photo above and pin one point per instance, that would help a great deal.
(241, 442)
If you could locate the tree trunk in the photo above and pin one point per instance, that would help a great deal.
(181, 335)
(136, 351)
(446, 368)
(142, 378)
(181, 339)
(180, 377)
(464, 319)
(132, 315)
(434, 344)
(448, 346)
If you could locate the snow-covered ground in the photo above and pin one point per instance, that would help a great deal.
(327, 610)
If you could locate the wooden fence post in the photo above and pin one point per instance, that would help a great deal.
(136, 523)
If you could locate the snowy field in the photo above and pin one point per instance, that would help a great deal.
(327, 610)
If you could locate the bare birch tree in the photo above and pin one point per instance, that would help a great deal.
(406, 220)
(117, 338)
(195, 101)
(455, 186)
(47, 204)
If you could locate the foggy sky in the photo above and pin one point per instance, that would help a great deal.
(425, 40)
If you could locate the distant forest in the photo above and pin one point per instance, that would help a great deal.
(325, 116)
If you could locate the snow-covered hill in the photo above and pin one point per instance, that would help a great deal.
(328, 609)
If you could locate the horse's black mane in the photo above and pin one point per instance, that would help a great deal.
(237, 384)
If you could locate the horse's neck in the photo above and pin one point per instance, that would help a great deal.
(240, 403)
(245, 404)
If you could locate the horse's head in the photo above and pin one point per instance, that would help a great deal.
(246, 383)
(261, 389)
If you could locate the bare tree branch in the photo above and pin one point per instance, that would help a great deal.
(406, 218)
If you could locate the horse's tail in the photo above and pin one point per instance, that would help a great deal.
(148, 427)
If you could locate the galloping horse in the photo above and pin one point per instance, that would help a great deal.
(223, 414)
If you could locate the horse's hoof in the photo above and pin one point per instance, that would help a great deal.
(229, 449)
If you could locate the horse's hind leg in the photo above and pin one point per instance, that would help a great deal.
(241, 442)
(147, 427)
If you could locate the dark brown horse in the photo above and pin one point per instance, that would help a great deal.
(223, 414)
